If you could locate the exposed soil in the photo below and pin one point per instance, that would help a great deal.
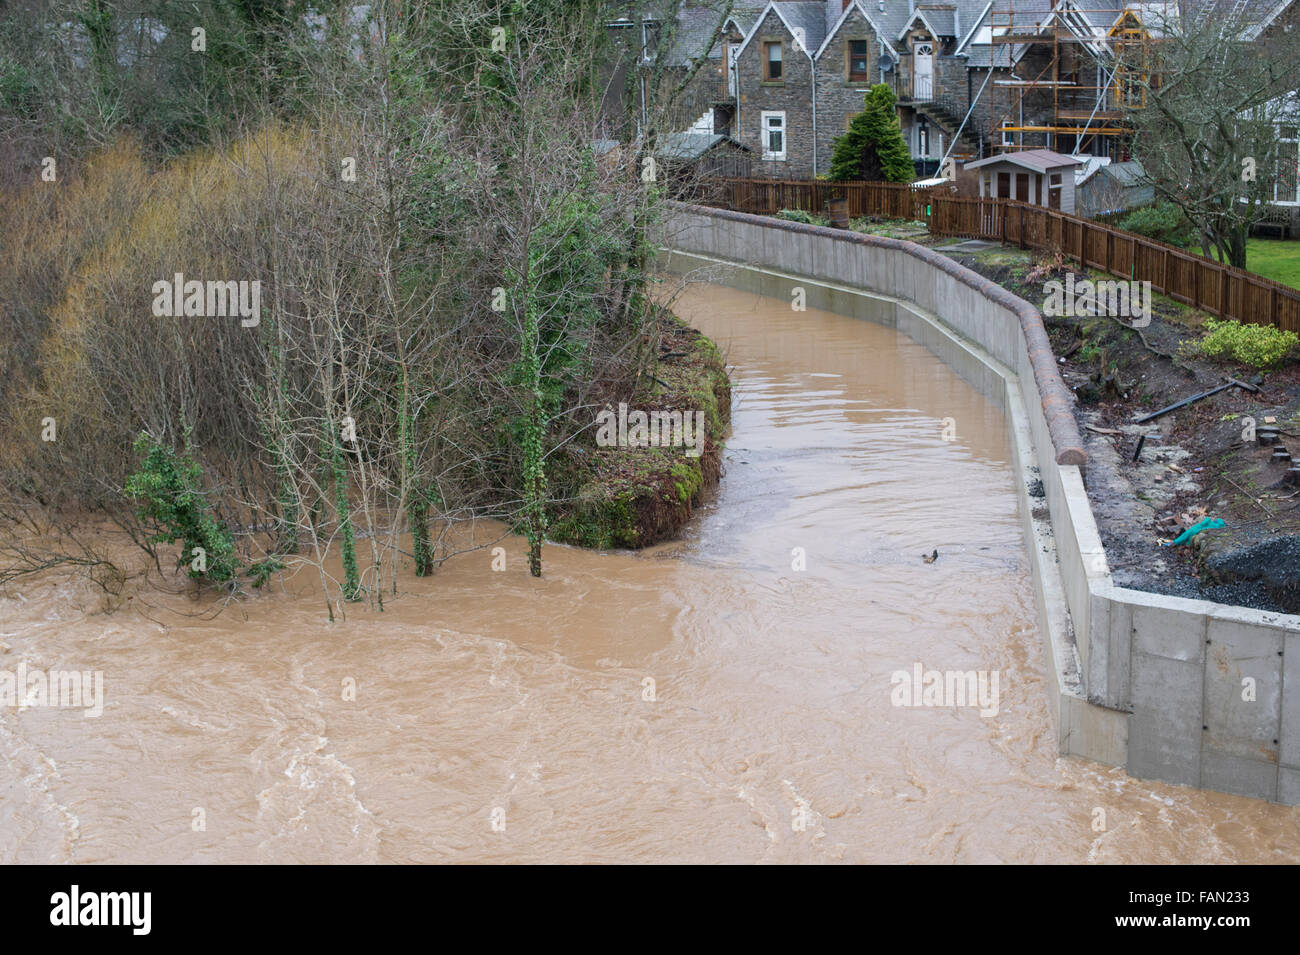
(1195, 462)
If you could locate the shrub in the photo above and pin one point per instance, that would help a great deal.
(1258, 346)
(1163, 222)
(797, 216)
(173, 505)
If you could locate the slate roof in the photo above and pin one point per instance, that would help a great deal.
(1100, 13)
(942, 22)
(978, 57)
(692, 145)
(961, 19)
(810, 16)
(952, 18)
(695, 26)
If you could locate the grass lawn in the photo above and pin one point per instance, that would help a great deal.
(1277, 259)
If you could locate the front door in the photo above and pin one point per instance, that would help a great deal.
(923, 72)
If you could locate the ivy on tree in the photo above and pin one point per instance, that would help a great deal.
(172, 502)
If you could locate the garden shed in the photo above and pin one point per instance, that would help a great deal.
(1038, 176)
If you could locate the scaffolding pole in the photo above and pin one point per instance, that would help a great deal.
(1067, 31)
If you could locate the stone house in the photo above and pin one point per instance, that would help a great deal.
(803, 67)
(973, 78)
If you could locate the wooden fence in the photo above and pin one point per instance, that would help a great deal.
(1184, 276)
(892, 200)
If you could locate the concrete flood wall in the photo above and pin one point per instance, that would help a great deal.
(1159, 685)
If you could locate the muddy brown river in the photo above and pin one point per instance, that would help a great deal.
(498, 718)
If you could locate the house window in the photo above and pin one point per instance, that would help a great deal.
(923, 138)
(1006, 133)
(772, 61)
(773, 136)
(857, 52)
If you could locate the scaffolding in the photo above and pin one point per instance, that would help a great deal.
(1070, 77)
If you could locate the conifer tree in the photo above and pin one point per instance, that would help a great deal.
(873, 148)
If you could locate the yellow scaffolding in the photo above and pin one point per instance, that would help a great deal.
(1010, 28)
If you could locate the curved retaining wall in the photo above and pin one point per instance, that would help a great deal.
(1151, 683)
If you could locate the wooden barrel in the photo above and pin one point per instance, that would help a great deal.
(839, 213)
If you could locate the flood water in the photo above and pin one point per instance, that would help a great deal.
(498, 718)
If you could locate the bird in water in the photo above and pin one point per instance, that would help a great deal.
(931, 558)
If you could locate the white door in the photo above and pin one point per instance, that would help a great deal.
(733, 51)
(923, 72)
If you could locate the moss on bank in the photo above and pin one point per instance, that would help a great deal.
(638, 496)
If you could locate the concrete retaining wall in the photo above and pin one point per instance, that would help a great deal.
(1155, 684)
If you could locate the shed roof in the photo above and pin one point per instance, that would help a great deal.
(1038, 160)
(1127, 173)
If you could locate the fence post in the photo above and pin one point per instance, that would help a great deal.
(950, 215)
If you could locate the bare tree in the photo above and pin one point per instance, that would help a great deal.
(1203, 97)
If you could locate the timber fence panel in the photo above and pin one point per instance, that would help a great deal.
(1183, 276)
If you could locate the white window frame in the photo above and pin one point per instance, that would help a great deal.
(764, 133)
